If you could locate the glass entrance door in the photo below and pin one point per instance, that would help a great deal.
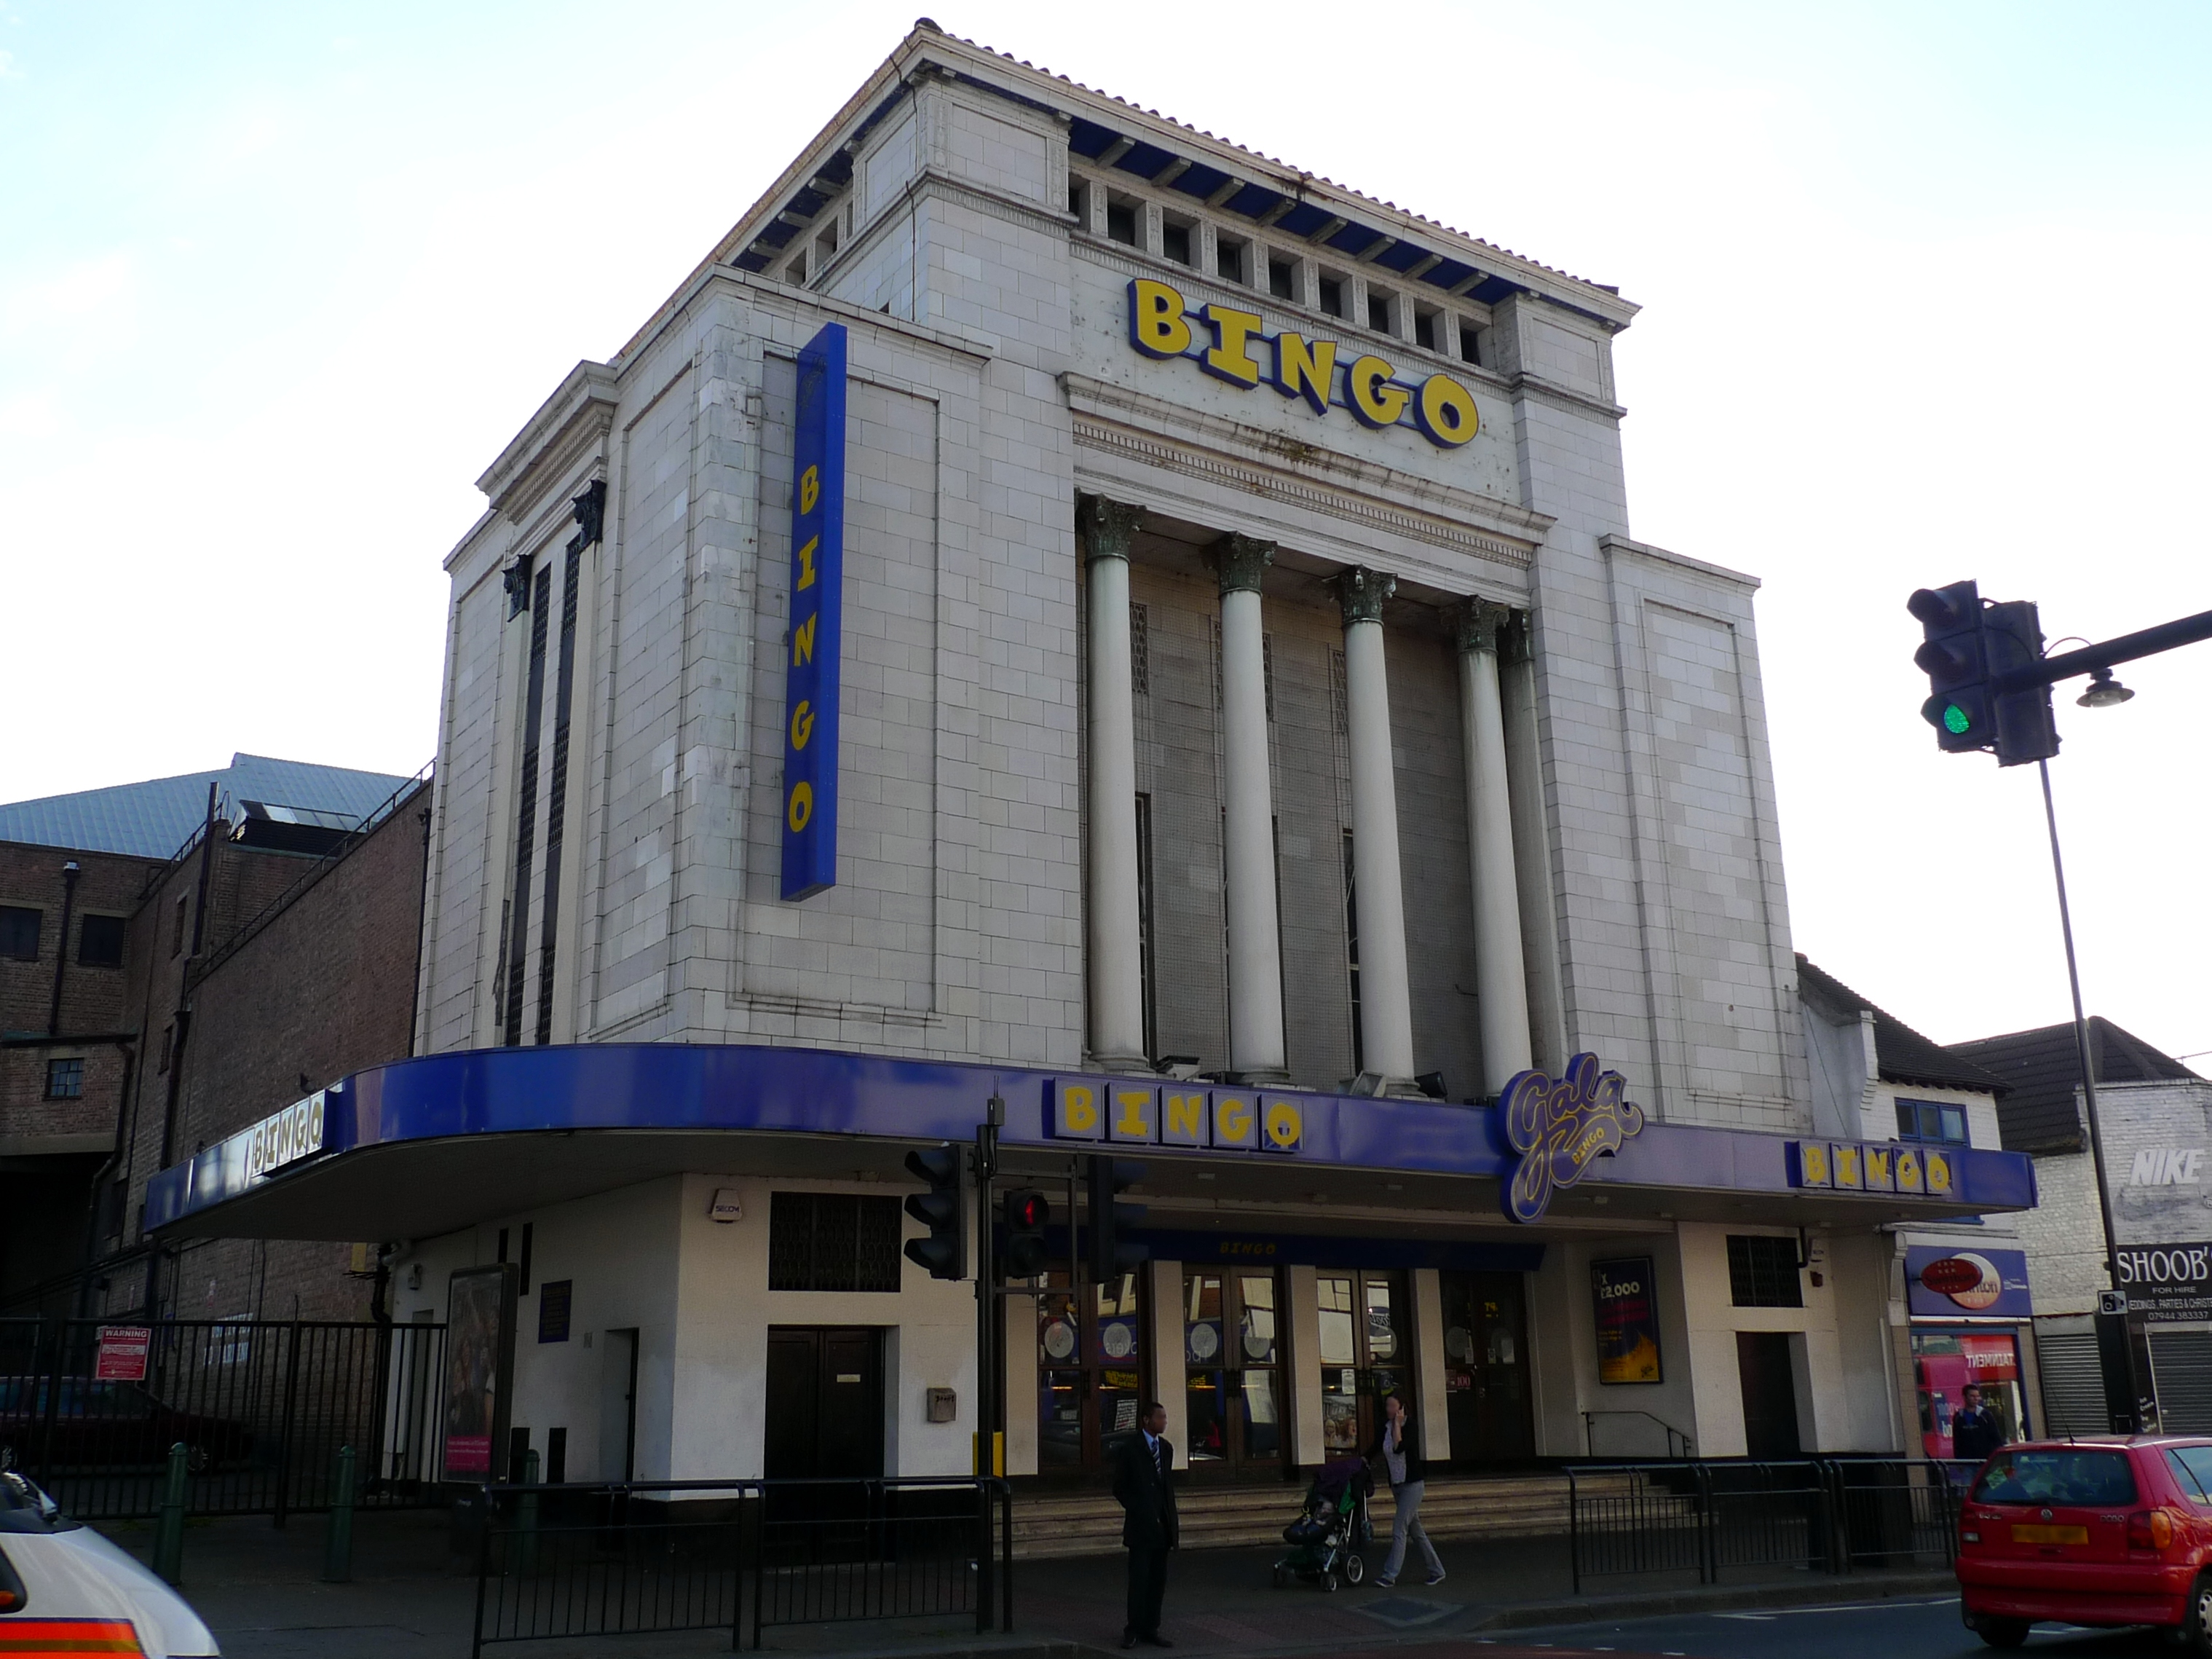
(1089, 1371)
(1232, 1369)
(1486, 1391)
(1365, 1319)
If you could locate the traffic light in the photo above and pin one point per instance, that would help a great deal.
(1111, 1255)
(2012, 640)
(942, 1209)
(1026, 1213)
(1952, 657)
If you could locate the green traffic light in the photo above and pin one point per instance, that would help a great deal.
(1955, 720)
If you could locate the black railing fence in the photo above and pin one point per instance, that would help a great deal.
(1713, 1516)
(741, 1556)
(262, 1407)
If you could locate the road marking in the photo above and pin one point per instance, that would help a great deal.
(1842, 1607)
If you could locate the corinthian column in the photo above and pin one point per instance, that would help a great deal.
(1501, 985)
(1256, 960)
(1386, 1001)
(1115, 969)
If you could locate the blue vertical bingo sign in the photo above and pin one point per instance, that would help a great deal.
(817, 570)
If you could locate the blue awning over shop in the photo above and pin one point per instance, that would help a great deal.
(441, 1141)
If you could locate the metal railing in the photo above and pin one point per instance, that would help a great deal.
(742, 1556)
(1715, 1515)
(1679, 1443)
(261, 1406)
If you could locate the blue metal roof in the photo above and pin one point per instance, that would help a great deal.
(154, 818)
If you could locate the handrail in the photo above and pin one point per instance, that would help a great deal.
(1673, 1434)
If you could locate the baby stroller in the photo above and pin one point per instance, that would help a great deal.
(1325, 1539)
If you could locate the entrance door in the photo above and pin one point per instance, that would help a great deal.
(1365, 1319)
(1232, 1365)
(1090, 1378)
(1486, 1392)
(825, 1404)
(618, 1405)
(1770, 1395)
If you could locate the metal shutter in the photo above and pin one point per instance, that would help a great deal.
(2072, 1384)
(2181, 1372)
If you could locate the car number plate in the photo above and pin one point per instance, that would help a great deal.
(2051, 1535)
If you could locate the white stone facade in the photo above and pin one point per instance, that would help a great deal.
(993, 381)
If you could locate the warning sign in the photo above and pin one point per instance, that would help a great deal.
(121, 1356)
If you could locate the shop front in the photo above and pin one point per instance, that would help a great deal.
(1971, 1312)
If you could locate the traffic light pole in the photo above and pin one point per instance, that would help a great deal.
(2127, 647)
(2135, 1404)
(990, 1377)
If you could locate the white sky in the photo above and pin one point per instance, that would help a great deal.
(278, 281)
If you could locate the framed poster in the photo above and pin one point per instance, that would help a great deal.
(479, 1368)
(1628, 1320)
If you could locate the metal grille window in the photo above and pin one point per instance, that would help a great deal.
(1931, 1121)
(99, 942)
(1144, 925)
(19, 932)
(833, 1242)
(1763, 1271)
(1140, 651)
(65, 1079)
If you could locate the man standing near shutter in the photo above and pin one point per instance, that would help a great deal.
(1144, 1485)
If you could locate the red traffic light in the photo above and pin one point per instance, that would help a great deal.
(1027, 1212)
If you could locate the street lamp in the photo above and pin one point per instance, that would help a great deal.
(2104, 692)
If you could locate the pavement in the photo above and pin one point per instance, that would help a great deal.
(412, 1596)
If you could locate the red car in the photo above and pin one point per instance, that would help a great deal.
(2107, 1530)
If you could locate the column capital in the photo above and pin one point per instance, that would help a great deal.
(1241, 561)
(1476, 624)
(1361, 591)
(1108, 526)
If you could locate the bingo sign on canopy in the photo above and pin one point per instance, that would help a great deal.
(2167, 1279)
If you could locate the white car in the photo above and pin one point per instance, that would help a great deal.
(66, 1590)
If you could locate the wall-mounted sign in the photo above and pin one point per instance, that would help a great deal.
(285, 1137)
(121, 1355)
(1877, 1166)
(1627, 1313)
(2169, 1280)
(810, 677)
(556, 1299)
(479, 1368)
(1132, 1113)
(1230, 345)
(1980, 1283)
(1560, 1125)
(2166, 1166)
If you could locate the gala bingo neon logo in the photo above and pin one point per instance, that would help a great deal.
(1560, 1127)
(1318, 371)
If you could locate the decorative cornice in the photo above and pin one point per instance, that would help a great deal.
(1108, 527)
(1191, 463)
(1476, 624)
(1361, 591)
(568, 424)
(1240, 561)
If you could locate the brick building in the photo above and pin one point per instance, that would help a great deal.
(1059, 609)
(185, 963)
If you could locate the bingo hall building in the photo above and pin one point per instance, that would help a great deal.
(1061, 607)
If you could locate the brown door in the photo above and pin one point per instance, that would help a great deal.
(1487, 1367)
(1366, 1352)
(1089, 1371)
(1232, 1369)
(825, 1404)
(1769, 1395)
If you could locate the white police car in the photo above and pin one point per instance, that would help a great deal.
(66, 1590)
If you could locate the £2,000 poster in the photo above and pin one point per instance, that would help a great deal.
(1628, 1320)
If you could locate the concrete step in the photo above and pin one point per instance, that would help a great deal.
(1090, 1523)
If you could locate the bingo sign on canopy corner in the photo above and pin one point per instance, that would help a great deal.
(810, 669)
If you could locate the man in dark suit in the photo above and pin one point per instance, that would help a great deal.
(1143, 1484)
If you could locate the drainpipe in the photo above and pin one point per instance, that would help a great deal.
(421, 924)
(184, 1017)
(69, 873)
